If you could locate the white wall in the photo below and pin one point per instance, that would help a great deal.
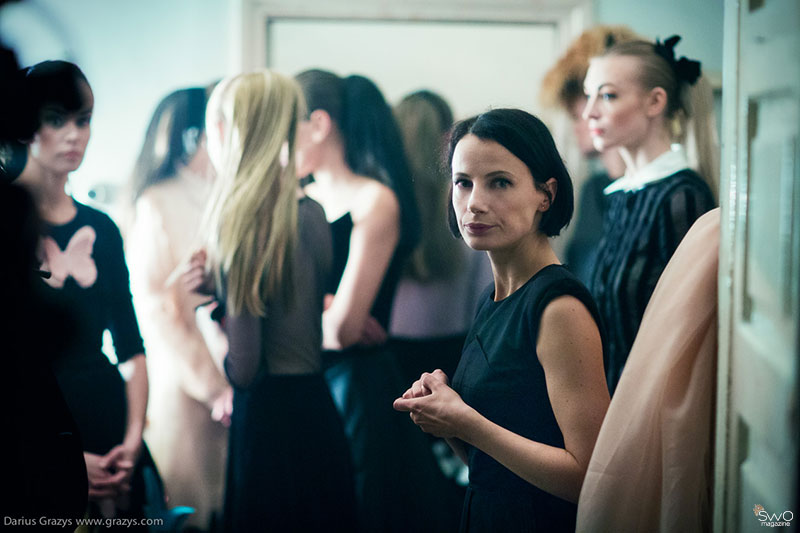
(474, 66)
(132, 52)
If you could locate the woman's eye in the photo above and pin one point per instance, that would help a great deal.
(462, 183)
(608, 96)
(501, 183)
(55, 121)
(82, 122)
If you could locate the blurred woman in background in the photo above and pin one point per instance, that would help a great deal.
(656, 111)
(562, 87)
(82, 249)
(269, 248)
(170, 186)
(442, 273)
(350, 142)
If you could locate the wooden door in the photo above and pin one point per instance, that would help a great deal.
(757, 417)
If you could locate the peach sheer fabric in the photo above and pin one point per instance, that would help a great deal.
(651, 469)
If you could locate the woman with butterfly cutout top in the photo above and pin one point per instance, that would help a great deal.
(82, 249)
(642, 102)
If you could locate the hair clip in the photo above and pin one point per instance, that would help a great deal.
(685, 69)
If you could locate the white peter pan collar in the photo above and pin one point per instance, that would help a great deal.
(659, 168)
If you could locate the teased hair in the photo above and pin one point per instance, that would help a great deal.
(563, 83)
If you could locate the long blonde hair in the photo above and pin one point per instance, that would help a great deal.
(689, 111)
(251, 221)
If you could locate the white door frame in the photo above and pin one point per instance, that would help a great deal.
(250, 18)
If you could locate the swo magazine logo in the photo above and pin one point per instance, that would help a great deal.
(772, 519)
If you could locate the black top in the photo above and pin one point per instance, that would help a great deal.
(500, 376)
(89, 274)
(382, 307)
(642, 229)
(290, 337)
(90, 278)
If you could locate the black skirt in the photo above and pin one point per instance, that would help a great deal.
(289, 466)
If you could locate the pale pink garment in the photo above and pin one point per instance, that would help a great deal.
(651, 469)
(190, 449)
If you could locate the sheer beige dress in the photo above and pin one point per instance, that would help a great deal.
(651, 469)
(188, 446)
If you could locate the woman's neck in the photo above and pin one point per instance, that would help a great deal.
(49, 192)
(653, 145)
(512, 268)
(335, 185)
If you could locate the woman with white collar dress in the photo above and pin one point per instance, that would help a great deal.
(656, 111)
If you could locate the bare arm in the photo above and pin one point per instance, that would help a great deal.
(375, 234)
(136, 389)
(570, 352)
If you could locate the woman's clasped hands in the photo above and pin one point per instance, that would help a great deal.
(435, 407)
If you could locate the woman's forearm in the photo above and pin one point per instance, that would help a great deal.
(554, 470)
(136, 389)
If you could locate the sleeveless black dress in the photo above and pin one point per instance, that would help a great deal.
(399, 486)
(500, 376)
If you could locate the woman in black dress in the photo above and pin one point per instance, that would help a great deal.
(351, 145)
(82, 249)
(641, 103)
(529, 394)
(269, 248)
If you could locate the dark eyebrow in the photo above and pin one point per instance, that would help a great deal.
(501, 173)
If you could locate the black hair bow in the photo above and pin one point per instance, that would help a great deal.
(685, 69)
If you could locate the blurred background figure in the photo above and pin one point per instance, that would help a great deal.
(438, 291)
(437, 294)
(82, 249)
(562, 87)
(169, 186)
(648, 105)
(350, 142)
(270, 251)
(45, 473)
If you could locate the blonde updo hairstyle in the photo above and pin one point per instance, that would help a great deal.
(689, 113)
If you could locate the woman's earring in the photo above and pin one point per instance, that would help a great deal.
(675, 128)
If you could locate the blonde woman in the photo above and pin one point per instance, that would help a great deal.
(269, 249)
(641, 102)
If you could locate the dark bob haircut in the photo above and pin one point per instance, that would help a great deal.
(51, 83)
(530, 141)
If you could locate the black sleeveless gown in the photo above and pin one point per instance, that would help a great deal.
(500, 376)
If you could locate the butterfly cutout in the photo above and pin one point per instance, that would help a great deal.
(76, 260)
